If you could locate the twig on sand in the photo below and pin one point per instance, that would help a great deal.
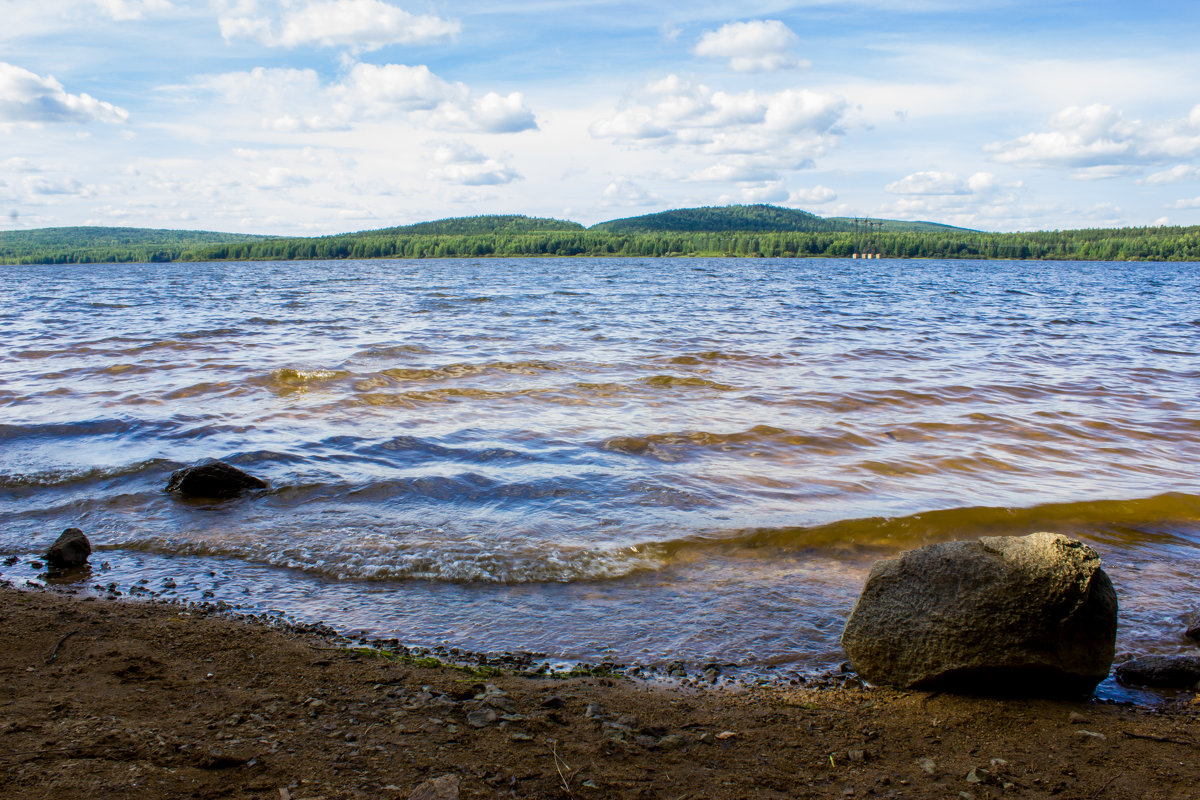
(54, 653)
(1107, 784)
(560, 765)
(1170, 739)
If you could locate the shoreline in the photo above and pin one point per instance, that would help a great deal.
(139, 699)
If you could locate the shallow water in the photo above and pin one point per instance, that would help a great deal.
(622, 459)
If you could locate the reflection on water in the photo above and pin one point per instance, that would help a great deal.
(632, 459)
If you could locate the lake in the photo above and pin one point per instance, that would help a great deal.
(635, 460)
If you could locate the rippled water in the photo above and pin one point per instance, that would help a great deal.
(632, 459)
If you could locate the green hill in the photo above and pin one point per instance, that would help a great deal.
(83, 244)
(485, 224)
(720, 219)
(902, 226)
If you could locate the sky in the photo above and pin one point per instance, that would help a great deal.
(306, 117)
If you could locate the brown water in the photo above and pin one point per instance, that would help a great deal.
(625, 459)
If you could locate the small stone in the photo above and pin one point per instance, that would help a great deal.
(707, 738)
(928, 766)
(553, 701)
(723, 735)
(672, 741)
(965, 796)
(998, 762)
(1090, 736)
(856, 755)
(590, 784)
(521, 737)
(977, 775)
(443, 788)
(1179, 672)
(71, 549)
(594, 711)
(481, 718)
(1078, 719)
(215, 480)
(1191, 622)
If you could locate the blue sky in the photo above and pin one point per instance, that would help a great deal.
(321, 116)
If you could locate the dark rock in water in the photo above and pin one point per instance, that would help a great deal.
(1178, 672)
(1029, 615)
(69, 550)
(1192, 621)
(215, 480)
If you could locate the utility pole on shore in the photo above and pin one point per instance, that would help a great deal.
(866, 245)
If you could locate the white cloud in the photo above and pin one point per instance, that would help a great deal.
(1098, 136)
(45, 185)
(675, 111)
(815, 196)
(18, 164)
(278, 178)
(458, 162)
(756, 46)
(27, 97)
(359, 25)
(132, 9)
(1176, 174)
(624, 192)
(1193, 202)
(943, 183)
(296, 100)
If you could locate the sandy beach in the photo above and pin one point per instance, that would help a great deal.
(127, 699)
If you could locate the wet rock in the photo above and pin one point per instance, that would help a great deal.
(1006, 614)
(215, 480)
(1191, 623)
(443, 788)
(676, 669)
(69, 550)
(11, 560)
(1179, 672)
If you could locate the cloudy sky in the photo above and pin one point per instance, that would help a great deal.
(322, 116)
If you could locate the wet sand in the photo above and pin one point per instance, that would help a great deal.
(138, 700)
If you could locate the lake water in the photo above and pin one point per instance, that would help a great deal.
(638, 460)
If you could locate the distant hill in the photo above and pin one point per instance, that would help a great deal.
(76, 244)
(753, 219)
(486, 224)
(720, 219)
(902, 226)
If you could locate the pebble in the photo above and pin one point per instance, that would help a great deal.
(594, 710)
(481, 718)
(1078, 719)
(1090, 735)
(928, 766)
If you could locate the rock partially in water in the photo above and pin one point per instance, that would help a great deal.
(1191, 622)
(70, 550)
(215, 480)
(1028, 615)
(1168, 672)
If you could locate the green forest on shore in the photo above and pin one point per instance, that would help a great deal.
(748, 231)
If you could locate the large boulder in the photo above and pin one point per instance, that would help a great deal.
(215, 480)
(1031, 615)
(70, 550)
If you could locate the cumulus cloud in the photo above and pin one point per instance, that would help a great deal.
(47, 185)
(1096, 138)
(1176, 174)
(815, 196)
(458, 162)
(297, 100)
(943, 183)
(27, 97)
(756, 46)
(792, 124)
(358, 25)
(624, 192)
(18, 164)
(132, 9)
(1193, 202)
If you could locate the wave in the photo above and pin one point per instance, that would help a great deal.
(678, 446)
(1164, 521)
(64, 478)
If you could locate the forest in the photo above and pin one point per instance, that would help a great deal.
(745, 231)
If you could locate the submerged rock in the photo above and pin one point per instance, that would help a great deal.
(1032, 615)
(1172, 672)
(69, 550)
(215, 480)
(1191, 622)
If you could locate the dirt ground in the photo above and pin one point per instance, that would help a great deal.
(103, 699)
